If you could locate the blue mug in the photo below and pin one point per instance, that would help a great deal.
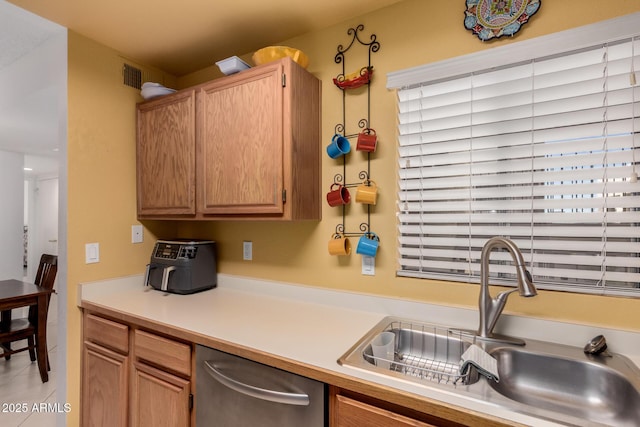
(339, 146)
(368, 244)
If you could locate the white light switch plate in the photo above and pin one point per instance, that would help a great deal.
(92, 253)
(368, 265)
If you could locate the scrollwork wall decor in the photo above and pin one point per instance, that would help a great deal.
(365, 135)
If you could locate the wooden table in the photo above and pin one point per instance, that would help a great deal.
(14, 294)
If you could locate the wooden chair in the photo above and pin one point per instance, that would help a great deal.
(20, 329)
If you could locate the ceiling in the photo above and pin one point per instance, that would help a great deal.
(30, 84)
(180, 37)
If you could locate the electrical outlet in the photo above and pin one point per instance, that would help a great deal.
(247, 250)
(368, 265)
(136, 234)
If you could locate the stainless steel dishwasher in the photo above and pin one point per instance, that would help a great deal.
(236, 392)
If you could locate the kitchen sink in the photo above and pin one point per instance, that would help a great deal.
(602, 388)
(422, 353)
(549, 381)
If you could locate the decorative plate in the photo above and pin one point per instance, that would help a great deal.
(495, 18)
(354, 80)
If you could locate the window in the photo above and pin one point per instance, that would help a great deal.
(542, 151)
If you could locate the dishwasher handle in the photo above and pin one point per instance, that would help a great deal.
(257, 392)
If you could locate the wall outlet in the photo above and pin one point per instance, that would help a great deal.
(247, 250)
(368, 265)
(91, 253)
(136, 234)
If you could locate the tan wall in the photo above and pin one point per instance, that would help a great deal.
(102, 190)
(410, 33)
(101, 170)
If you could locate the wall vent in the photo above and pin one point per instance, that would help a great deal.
(136, 75)
(131, 76)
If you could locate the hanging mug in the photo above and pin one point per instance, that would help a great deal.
(367, 193)
(339, 245)
(338, 195)
(367, 140)
(368, 244)
(339, 146)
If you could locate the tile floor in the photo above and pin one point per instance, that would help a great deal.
(20, 384)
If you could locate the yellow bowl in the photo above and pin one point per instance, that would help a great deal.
(273, 53)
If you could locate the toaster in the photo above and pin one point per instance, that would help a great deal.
(182, 266)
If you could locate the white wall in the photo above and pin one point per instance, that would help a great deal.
(33, 119)
(11, 215)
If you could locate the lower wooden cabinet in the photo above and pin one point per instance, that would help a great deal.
(159, 399)
(104, 387)
(133, 377)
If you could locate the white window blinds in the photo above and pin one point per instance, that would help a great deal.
(542, 152)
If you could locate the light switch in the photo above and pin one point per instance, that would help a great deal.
(92, 253)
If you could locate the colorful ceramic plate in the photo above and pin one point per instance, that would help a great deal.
(496, 18)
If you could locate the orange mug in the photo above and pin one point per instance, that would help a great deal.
(367, 140)
(339, 245)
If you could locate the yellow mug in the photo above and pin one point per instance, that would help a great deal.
(339, 245)
(367, 193)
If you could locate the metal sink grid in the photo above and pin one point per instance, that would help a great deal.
(423, 352)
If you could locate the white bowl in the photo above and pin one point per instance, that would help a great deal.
(151, 84)
(232, 65)
(153, 90)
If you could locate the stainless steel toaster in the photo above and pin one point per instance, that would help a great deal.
(182, 266)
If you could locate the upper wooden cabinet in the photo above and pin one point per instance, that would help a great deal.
(166, 156)
(255, 141)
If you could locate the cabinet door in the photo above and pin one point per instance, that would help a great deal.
(166, 156)
(159, 399)
(104, 387)
(240, 146)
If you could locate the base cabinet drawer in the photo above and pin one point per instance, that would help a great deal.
(106, 333)
(162, 352)
(353, 413)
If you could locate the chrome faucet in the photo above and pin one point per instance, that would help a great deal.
(491, 308)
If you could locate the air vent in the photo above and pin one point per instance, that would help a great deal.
(132, 76)
(136, 75)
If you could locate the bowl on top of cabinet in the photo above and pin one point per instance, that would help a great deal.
(273, 53)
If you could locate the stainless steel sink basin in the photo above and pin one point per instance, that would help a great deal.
(423, 353)
(548, 381)
(603, 389)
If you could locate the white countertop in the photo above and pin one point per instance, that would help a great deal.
(316, 326)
